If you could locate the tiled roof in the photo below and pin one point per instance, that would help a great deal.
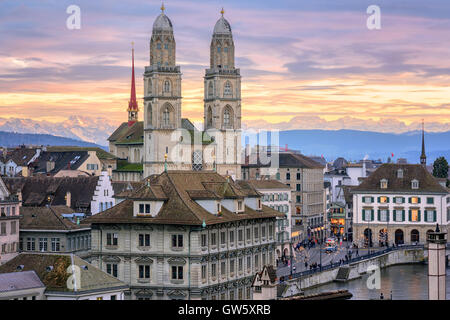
(179, 207)
(132, 135)
(288, 160)
(388, 171)
(15, 281)
(20, 156)
(62, 160)
(36, 190)
(55, 277)
(348, 196)
(46, 218)
(101, 154)
(123, 189)
(265, 184)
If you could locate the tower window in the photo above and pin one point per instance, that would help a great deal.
(166, 46)
(158, 45)
(225, 49)
(166, 117)
(218, 49)
(226, 117)
(210, 90)
(227, 89)
(167, 86)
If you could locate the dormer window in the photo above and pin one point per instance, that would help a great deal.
(415, 184)
(383, 183)
(144, 208)
(240, 206)
(400, 173)
(259, 204)
(219, 208)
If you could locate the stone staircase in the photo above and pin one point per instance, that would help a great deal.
(342, 274)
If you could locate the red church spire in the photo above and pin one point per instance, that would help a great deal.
(132, 104)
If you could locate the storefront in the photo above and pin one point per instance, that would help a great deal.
(336, 217)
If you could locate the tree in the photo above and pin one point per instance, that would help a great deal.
(440, 168)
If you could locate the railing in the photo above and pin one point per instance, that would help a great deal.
(350, 261)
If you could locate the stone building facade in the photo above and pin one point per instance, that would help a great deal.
(186, 235)
(9, 224)
(399, 203)
(305, 177)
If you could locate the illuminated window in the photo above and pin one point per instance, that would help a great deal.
(414, 200)
(383, 199)
(414, 215)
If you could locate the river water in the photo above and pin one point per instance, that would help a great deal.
(407, 282)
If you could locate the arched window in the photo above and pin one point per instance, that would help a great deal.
(167, 86)
(227, 91)
(210, 89)
(228, 117)
(166, 116)
(209, 117)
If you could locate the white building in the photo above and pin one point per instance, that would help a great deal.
(399, 203)
(102, 198)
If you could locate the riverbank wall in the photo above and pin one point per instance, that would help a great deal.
(357, 269)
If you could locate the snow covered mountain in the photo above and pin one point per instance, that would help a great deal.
(95, 130)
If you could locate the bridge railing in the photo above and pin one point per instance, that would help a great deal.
(350, 261)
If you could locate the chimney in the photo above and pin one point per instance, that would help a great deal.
(50, 165)
(68, 199)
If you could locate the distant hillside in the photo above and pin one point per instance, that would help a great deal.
(12, 139)
(354, 145)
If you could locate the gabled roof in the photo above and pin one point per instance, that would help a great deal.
(62, 160)
(36, 190)
(20, 156)
(288, 160)
(264, 184)
(46, 218)
(15, 281)
(179, 207)
(267, 273)
(388, 171)
(52, 271)
(101, 154)
(133, 134)
(123, 189)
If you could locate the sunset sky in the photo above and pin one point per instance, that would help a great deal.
(304, 64)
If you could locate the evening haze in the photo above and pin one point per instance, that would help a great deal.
(304, 65)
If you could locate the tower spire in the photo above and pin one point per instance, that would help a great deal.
(132, 104)
(423, 156)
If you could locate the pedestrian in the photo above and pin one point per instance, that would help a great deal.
(294, 268)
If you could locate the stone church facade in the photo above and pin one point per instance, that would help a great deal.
(166, 140)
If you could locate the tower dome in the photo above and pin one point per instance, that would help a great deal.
(222, 26)
(162, 23)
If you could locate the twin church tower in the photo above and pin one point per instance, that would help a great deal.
(171, 142)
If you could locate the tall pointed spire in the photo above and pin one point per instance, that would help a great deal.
(423, 156)
(132, 104)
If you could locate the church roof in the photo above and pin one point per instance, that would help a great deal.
(222, 27)
(162, 23)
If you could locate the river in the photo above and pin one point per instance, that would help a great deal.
(407, 282)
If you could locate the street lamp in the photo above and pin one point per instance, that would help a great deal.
(292, 256)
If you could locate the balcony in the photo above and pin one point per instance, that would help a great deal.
(168, 69)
